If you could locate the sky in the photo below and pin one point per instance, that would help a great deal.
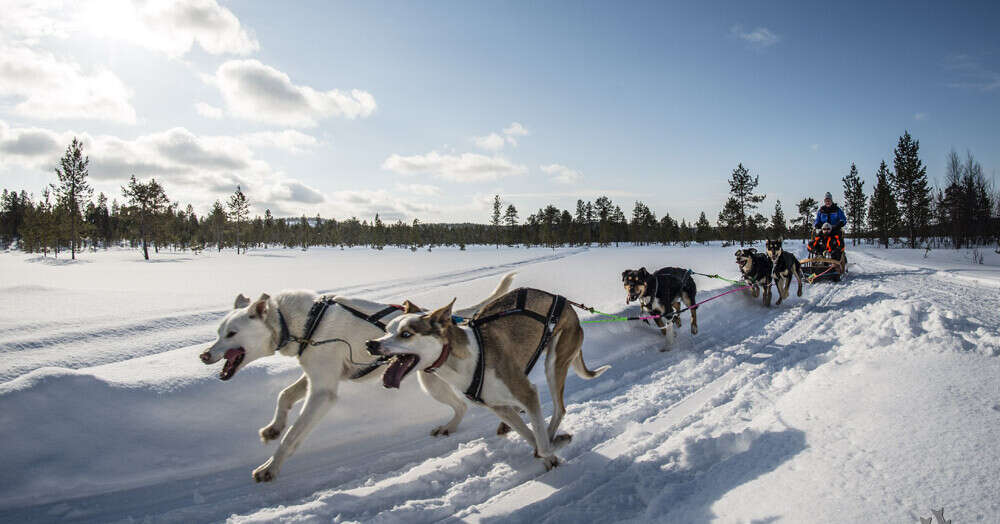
(427, 109)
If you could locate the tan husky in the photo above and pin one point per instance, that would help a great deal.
(490, 357)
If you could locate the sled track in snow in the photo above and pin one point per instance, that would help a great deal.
(399, 480)
(117, 341)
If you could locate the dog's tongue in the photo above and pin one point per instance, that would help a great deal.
(398, 369)
(233, 358)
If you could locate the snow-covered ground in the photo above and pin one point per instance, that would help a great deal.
(872, 400)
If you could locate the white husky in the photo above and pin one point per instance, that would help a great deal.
(278, 324)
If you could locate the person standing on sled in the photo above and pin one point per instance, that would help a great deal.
(829, 221)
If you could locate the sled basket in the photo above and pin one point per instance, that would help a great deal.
(824, 268)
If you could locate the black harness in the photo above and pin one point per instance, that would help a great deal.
(313, 319)
(474, 393)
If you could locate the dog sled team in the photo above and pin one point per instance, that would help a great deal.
(483, 352)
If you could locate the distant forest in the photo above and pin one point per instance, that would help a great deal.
(66, 217)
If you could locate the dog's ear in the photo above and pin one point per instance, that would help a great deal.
(442, 315)
(410, 307)
(241, 302)
(751, 250)
(625, 274)
(260, 307)
(643, 274)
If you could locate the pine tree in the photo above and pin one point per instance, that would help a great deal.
(495, 219)
(217, 218)
(883, 215)
(684, 233)
(510, 220)
(855, 200)
(741, 187)
(730, 223)
(239, 210)
(807, 211)
(703, 229)
(909, 180)
(73, 191)
(146, 202)
(779, 230)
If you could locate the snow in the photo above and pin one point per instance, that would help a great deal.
(874, 399)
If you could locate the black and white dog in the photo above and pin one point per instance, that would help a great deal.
(756, 268)
(660, 291)
(785, 266)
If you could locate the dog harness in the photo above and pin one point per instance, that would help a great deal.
(475, 390)
(313, 319)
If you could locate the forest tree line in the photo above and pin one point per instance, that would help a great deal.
(902, 205)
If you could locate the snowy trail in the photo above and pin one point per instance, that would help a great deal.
(763, 406)
(77, 345)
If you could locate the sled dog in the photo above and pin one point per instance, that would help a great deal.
(277, 325)
(660, 291)
(786, 265)
(490, 357)
(756, 269)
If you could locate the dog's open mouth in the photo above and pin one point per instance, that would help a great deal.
(398, 368)
(234, 357)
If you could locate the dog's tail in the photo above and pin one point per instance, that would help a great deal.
(580, 367)
(502, 288)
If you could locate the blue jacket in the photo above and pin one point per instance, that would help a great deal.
(833, 214)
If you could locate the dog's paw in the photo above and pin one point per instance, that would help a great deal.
(442, 431)
(664, 349)
(694, 329)
(550, 462)
(269, 433)
(561, 440)
(800, 292)
(503, 429)
(265, 473)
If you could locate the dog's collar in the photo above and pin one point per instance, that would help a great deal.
(445, 352)
(285, 336)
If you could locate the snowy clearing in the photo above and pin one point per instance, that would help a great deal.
(871, 400)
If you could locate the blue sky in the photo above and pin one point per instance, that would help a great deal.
(426, 109)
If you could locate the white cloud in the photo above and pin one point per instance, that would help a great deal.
(47, 87)
(255, 91)
(365, 204)
(495, 141)
(290, 140)
(419, 189)
(172, 27)
(490, 142)
(759, 38)
(515, 129)
(207, 110)
(972, 73)
(920, 116)
(196, 169)
(467, 167)
(563, 174)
